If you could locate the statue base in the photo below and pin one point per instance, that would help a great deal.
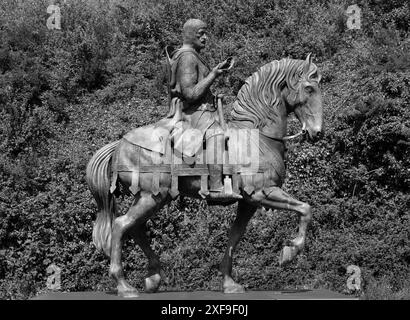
(317, 294)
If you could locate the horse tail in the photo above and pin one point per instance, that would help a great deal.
(98, 179)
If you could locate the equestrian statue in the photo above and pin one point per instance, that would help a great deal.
(194, 152)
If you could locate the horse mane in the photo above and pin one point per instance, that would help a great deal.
(259, 97)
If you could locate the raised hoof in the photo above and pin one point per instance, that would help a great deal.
(234, 288)
(287, 255)
(128, 294)
(152, 283)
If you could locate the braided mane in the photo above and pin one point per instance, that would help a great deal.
(259, 97)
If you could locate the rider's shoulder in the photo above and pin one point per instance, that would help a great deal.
(186, 56)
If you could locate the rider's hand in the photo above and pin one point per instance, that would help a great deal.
(220, 68)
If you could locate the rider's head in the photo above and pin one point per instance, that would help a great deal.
(194, 34)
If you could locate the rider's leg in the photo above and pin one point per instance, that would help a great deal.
(215, 149)
(215, 167)
(214, 156)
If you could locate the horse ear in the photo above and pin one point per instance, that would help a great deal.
(308, 62)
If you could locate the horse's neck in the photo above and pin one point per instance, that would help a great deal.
(277, 126)
(274, 126)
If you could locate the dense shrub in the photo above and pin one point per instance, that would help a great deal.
(65, 93)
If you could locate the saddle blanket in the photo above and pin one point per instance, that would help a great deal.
(187, 141)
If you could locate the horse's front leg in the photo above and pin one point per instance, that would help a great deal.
(279, 199)
(244, 214)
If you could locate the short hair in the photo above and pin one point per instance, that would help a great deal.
(190, 26)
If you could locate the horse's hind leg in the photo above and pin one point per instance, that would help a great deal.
(279, 199)
(244, 214)
(143, 207)
(153, 279)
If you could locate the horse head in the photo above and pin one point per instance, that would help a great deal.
(303, 97)
(276, 90)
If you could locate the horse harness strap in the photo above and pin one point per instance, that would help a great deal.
(114, 172)
(134, 188)
(174, 192)
(286, 138)
(185, 170)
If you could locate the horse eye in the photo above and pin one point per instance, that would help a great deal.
(309, 89)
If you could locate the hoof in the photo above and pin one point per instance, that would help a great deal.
(152, 283)
(128, 294)
(287, 255)
(125, 290)
(234, 288)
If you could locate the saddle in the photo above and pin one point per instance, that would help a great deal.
(152, 137)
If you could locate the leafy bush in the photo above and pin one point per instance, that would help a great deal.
(65, 93)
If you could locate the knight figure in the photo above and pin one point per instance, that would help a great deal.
(192, 104)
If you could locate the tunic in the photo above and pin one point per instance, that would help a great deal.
(198, 115)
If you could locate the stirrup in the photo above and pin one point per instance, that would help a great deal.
(224, 192)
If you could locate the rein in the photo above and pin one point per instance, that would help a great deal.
(286, 138)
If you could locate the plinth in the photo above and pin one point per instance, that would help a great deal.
(319, 294)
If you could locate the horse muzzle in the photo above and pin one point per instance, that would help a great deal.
(313, 135)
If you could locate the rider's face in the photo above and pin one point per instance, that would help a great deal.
(200, 39)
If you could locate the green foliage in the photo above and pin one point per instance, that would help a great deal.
(65, 93)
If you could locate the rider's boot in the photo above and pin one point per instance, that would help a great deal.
(216, 187)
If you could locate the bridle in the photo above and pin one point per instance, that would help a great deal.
(302, 132)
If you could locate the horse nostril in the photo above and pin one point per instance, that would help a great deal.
(319, 134)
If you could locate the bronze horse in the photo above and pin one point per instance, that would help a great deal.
(263, 103)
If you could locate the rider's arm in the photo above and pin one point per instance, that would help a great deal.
(192, 90)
